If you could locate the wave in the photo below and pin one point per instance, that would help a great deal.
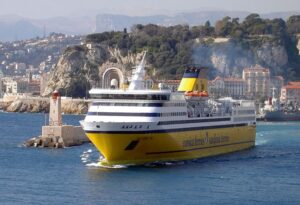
(99, 165)
(89, 156)
(91, 159)
(259, 142)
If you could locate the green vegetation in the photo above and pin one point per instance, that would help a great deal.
(171, 48)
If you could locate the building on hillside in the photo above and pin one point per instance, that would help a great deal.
(235, 87)
(291, 93)
(277, 83)
(227, 87)
(257, 81)
(1, 83)
(1, 88)
(43, 82)
(34, 87)
(216, 87)
(15, 86)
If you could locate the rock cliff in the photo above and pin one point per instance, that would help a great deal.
(79, 67)
(75, 68)
(230, 57)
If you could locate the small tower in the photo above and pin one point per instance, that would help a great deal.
(55, 109)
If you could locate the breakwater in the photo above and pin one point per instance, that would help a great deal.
(40, 104)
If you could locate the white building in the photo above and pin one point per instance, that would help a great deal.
(227, 87)
(235, 87)
(291, 93)
(216, 87)
(257, 81)
(277, 83)
(15, 86)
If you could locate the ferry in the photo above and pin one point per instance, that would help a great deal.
(139, 126)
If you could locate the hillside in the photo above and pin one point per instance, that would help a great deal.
(20, 28)
(225, 48)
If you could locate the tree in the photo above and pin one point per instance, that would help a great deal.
(278, 27)
(293, 25)
(223, 27)
(253, 25)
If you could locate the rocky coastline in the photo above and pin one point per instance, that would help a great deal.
(41, 105)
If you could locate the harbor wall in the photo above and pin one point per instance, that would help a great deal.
(71, 135)
(41, 104)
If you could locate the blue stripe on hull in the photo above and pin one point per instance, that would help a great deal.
(170, 130)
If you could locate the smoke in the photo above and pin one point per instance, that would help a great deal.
(226, 58)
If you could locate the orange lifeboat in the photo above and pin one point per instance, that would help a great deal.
(196, 94)
(203, 94)
(189, 93)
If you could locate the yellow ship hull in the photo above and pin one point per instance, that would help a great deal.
(141, 148)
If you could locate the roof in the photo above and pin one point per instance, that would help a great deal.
(256, 68)
(294, 83)
(234, 80)
(230, 79)
(291, 87)
(217, 78)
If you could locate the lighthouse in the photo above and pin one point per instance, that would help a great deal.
(55, 118)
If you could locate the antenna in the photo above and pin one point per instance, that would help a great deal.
(137, 82)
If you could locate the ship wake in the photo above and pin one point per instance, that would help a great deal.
(92, 159)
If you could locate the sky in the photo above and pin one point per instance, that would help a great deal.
(53, 8)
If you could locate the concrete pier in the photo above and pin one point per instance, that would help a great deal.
(56, 134)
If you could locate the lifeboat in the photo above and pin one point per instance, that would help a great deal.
(203, 94)
(196, 94)
(188, 93)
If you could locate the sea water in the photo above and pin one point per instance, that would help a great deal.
(266, 174)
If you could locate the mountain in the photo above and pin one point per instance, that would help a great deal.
(14, 27)
(283, 15)
(21, 29)
(225, 49)
(109, 22)
(78, 25)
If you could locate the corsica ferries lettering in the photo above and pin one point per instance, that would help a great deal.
(206, 140)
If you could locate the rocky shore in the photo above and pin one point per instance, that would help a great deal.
(38, 105)
(54, 142)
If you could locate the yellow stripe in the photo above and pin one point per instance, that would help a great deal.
(187, 84)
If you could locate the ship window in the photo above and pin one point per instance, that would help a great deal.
(98, 126)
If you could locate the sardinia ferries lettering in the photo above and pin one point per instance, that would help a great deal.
(196, 141)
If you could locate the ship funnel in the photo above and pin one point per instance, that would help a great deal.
(137, 81)
(194, 79)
